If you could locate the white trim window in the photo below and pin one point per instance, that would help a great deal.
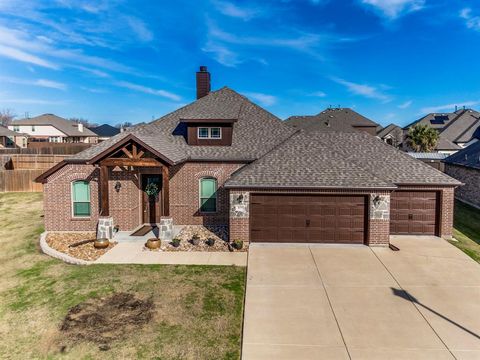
(209, 133)
(208, 195)
(81, 199)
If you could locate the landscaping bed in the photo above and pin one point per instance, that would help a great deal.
(218, 240)
(62, 241)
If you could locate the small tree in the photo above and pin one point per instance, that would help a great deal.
(6, 117)
(422, 138)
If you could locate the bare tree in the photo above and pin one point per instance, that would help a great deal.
(83, 121)
(6, 117)
(125, 124)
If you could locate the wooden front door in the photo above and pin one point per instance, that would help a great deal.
(307, 218)
(152, 209)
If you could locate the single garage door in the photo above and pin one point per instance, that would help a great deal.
(307, 218)
(414, 212)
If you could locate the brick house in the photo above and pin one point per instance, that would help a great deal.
(465, 167)
(225, 161)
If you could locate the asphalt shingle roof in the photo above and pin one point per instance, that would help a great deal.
(255, 133)
(335, 159)
(387, 130)
(7, 132)
(469, 157)
(105, 130)
(315, 122)
(68, 127)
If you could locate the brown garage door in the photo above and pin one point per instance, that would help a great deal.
(307, 218)
(414, 212)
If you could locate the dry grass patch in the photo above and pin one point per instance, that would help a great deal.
(196, 310)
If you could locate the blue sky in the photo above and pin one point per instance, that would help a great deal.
(114, 61)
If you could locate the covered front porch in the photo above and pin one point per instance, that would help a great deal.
(134, 191)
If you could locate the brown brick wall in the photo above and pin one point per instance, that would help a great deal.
(125, 205)
(378, 232)
(470, 192)
(57, 204)
(184, 192)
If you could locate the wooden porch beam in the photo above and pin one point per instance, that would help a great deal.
(104, 203)
(166, 190)
(128, 153)
(145, 162)
(134, 151)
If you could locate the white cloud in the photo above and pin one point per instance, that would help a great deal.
(364, 90)
(471, 21)
(139, 28)
(229, 9)
(39, 82)
(222, 54)
(147, 90)
(20, 55)
(449, 107)
(262, 99)
(405, 105)
(318, 94)
(392, 9)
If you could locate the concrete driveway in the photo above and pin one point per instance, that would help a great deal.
(354, 302)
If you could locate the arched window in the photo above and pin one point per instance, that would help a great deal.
(208, 195)
(81, 198)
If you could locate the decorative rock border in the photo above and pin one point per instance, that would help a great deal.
(59, 255)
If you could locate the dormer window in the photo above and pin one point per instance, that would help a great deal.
(209, 133)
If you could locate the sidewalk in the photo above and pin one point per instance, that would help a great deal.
(133, 252)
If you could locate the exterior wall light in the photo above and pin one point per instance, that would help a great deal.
(118, 185)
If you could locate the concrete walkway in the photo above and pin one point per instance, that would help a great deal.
(347, 302)
(133, 252)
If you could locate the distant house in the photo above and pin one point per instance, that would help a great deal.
(12, 139)
(52, 128)
(465, 167)
(105, 131)
(457, 129)
(392, 135)
(335, 119)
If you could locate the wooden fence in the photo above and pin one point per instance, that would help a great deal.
(31, 162)
(48, 148)
(20, 180)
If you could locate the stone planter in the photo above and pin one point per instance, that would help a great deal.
(153, 243)
(101, 243)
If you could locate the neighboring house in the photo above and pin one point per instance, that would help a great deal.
(391, 134)
(465, 167)
(224, 161)
(334, 119)
(434, 159)
(52, 128)
(105, 131)
(12, 139)
(457, 129)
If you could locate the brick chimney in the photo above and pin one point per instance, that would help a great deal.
(203, 82)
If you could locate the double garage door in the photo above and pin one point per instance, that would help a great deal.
(308, 218)
(336, 218)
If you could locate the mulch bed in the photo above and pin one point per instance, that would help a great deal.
(104, 320)
(219, 233)
(61, 241)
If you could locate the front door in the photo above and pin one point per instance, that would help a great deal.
(152, 198)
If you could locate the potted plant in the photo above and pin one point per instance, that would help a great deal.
(101, 243)
(153, 243)
(210, 241)
(195, 239)
(176, 242)
(238, 244)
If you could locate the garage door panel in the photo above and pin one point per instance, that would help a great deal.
(414, 212)
(308, 218)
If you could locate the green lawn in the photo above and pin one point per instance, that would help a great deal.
(467, 229)
(197, 309)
